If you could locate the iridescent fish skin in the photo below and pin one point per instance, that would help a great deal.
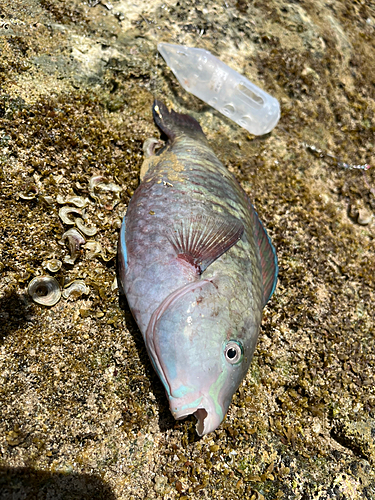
(197, 268)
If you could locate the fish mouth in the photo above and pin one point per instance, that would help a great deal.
(203, 410)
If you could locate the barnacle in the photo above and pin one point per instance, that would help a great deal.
(75, 240)
(75, 290)
(44, 290)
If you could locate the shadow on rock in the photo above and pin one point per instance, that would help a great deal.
(14, 312)
(26, 482)
(166, 421)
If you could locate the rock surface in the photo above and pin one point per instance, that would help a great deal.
(82, 413)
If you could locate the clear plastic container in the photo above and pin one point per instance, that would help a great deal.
(208, 78)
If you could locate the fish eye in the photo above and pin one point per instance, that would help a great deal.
(233, 352)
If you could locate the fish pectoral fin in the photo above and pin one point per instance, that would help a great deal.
(201, 240)
(268, 258)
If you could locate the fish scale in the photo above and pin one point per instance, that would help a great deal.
(148, 229)
(197, 267)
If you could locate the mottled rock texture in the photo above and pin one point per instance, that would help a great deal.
(82, 413)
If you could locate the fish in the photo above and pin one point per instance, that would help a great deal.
(197, 268)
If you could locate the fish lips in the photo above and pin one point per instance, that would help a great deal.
(204, 410)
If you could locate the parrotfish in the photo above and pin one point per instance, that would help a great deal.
(197, 268)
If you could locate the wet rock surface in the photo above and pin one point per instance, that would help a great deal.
(83, 415)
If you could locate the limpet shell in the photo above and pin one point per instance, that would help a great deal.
(31, 193)
(48, 199)
(95, 180)
(44, 290)
(109, 186)
(106, 193)
(364, 217)
(75, 240)
(75, 290)
(78, 201)
(88, 231)
(114, 285)
(64, 211)
(111, 254)
(53, 265)
(94, 249)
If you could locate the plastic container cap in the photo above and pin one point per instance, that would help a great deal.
(208, 78)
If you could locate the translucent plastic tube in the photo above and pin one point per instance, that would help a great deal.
(208, 78)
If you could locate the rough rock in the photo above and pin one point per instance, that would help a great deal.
(82, 413)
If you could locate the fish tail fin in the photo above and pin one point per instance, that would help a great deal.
(176, 124)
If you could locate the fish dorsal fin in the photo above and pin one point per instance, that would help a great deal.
(201, 240)
(268, 258)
